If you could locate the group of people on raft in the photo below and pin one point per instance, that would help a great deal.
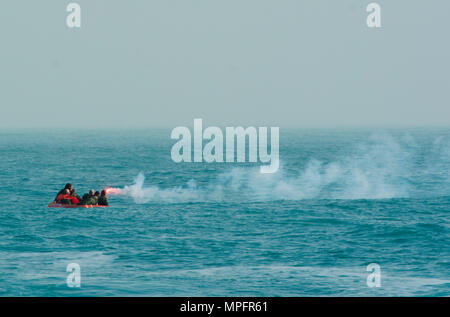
(68, 196)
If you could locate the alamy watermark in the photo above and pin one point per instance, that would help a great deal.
(374, 278)
(73, 19)
(235, 137)
(74, 277)
(374, 18)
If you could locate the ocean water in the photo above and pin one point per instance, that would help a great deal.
(342, 199)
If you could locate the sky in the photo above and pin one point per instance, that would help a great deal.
(162, 63)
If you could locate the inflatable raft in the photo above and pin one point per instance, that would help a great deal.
(57, 205)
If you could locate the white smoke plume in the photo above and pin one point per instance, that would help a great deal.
(378, 169)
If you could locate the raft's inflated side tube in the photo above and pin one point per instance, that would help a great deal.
(57, 205)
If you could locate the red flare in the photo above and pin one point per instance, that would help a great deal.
(111, 190)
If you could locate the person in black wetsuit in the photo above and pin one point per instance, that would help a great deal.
(89, 199)
(66, 198)
(102, 200)
(63, 191)
(73, 193)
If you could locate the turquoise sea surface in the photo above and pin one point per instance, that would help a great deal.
(341, 200)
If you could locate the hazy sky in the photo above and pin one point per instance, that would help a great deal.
(152, 63)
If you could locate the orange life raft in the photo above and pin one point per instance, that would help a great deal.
(58, 205)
